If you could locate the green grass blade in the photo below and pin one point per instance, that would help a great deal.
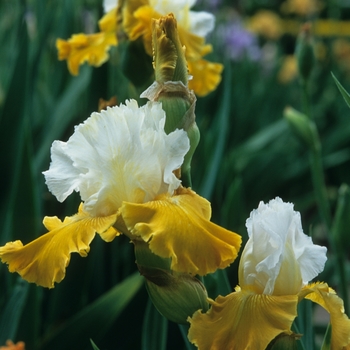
(10, 316)
(65, 109)
(94, 346)
(327, 340)
(94, 320)
(208, 185)
(344, 93)
(154, 330)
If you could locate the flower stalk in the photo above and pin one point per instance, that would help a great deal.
(171, 86)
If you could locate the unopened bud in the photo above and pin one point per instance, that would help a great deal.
(305, 52)
(284, 341)
(170, 86)
(175, 295)
(304, 128)
(169, 60)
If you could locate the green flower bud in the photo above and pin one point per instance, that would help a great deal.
(175, 295)
(170, 86)
(168, 54)
(284, 342)
(304, 128)
(305, 52)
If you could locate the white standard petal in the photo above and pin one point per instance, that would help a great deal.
(279, 258)
(109, 5)
(198, 23)
(121, 154)
(201, 23)
(63, 177)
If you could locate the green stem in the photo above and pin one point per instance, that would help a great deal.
(319, 183)
(316, 166)
(339, 238)
(306, 98)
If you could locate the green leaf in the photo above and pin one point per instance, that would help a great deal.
(326, 345)
(94, 346)
(65, 109)
(209, 182)
(342, 90)
(94, 320)
(10, 316)
(184, 331)
(154, 330)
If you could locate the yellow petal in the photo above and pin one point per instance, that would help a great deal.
(80, 48)
(325, 296)
(108, 23)
(44, 260)
(243, 320)
(206, 76)
(178, 227)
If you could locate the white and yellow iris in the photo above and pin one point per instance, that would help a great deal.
(276, 265)
(134, 18)
(122, 163)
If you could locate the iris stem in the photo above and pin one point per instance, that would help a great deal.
(316, 167)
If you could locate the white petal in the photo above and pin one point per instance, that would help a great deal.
(109, 5)
(279, 258)
(198, 23)
(62, 176)
(122, 154)
(201, 23)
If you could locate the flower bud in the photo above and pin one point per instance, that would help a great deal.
(305, 52)
(284, 342)
(175, 295)
(170, 86)
(168, 54)
(304, 128)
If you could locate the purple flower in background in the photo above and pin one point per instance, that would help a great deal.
(237, 42)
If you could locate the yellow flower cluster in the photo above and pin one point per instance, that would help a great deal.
(134, 20)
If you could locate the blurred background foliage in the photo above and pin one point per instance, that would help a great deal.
(247, 153)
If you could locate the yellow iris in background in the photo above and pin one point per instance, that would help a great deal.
(122, 163)
(276, 265)
(134, 18)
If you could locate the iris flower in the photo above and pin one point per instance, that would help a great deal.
(276, 265)
(123, 164)
(134, 18)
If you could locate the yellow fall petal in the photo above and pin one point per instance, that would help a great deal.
(206, 76)
(242, 320)
(178, 227)
(108, 23)
(44, 260)
(139, 23)
(81, 48)
(325, 296)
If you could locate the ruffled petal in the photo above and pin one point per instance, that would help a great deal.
(243, 320)
(325, 296)
(108, 23)
(139, 23)
(278, 250)
(121, 154)
(81, 48)
(44, 260)
(178, 227)
(201, 23)
(206, 76)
